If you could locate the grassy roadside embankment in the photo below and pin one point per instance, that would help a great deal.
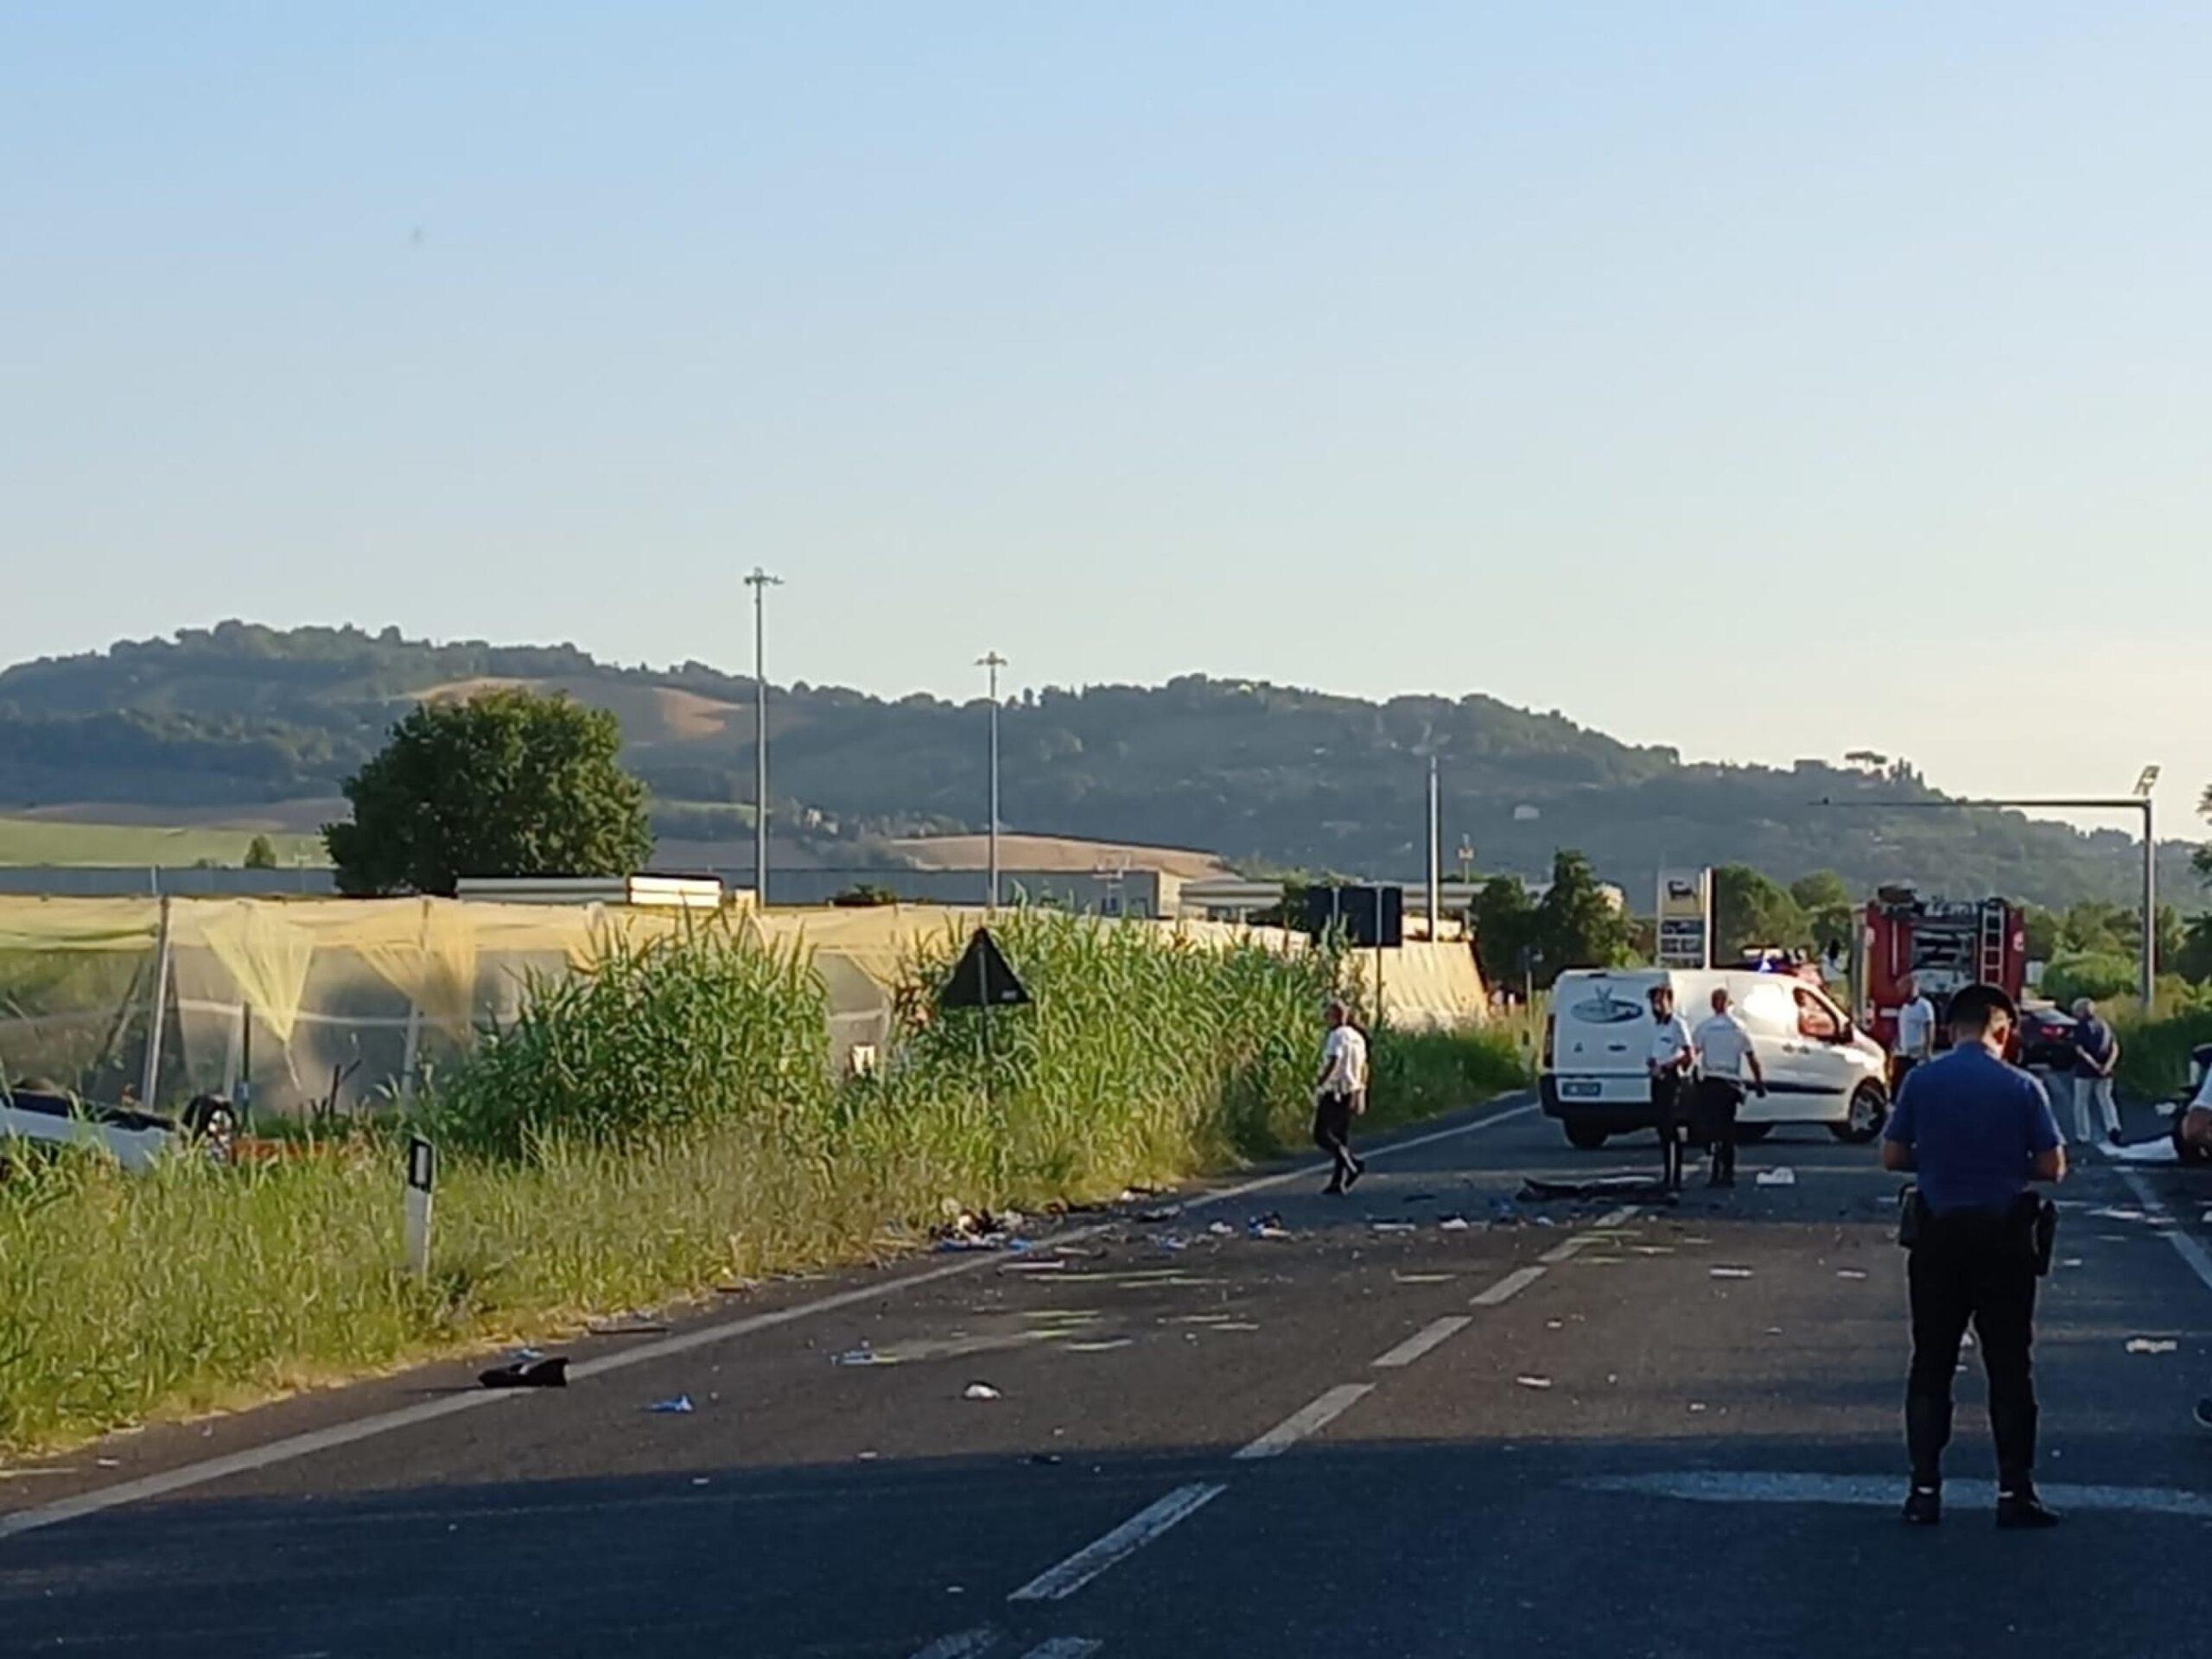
(662, 1126)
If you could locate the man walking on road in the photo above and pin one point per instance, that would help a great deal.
(1976, 1132)
(2096, 1052)
(1724, 1055)
(1668, 1063)
(1916, 1033)
(1339, 1096)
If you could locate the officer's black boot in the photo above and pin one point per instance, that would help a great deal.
(2020, 1509)
(1923, 1503)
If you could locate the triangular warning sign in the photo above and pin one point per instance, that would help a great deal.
(983, 979)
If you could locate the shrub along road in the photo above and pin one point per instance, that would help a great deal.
(1649, 1432)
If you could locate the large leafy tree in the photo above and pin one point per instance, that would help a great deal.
(1751, 910)
(1578, 924)
(508, 783)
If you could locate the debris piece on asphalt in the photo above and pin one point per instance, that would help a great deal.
(1221, 1229)
(1697, 1405)
(1166, 1212)
(699, 1480)
(1453, 1224)
(2118, 1212)
(862, 1354)
(1729, 1272)
(1039, 1264)
(980, 1391)
(1554, 1325)
(1533, 1382)
(2148, 1346)
(1268, 1226)
(1781, 1175)
(1172, 1241)
(1422, 1278)
(1392, 1226)
(2070, 1262)
(680, 1406)
(1099, 1347)
(546, 1371)
(1850, 1272)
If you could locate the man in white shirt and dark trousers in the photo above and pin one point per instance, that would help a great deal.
(1916, 1034)
(1669, 1063)
(1725, 1054)
(1339, 1096)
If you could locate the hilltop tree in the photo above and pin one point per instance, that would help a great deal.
(260, 854)
(509, 783)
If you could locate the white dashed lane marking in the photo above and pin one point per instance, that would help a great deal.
(964, 1644)
(1309, 1419)
(1508, 1287)
(1433, 1334)
(1057, 1583)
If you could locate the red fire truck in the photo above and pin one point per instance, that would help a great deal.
(1944, 943)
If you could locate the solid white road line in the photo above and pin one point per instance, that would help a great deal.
(1616, 1217)
(964, 1645)
(385, 1422)
(1310, 1418)
(1064, 1647)
(1436, 1332)
(1056, 1584)
(2188, 1249)
(1881, 1492)
(1508, 1287)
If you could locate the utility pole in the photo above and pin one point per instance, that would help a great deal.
(2145, 782)
(1435, 849)
(759, 581)
(993, 662)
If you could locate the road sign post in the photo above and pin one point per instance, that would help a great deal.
(421, 1177)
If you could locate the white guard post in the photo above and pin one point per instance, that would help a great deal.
(421, 1176)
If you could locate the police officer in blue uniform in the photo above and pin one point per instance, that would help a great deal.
(1975, 1132)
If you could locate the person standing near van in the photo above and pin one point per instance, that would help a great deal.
(1339, 1096)
(1916, 1033)
(1725, 1057)
(1670, 1063)
(1975, 1132)
(2096, 1052)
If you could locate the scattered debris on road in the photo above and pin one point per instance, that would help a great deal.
(1851, 1273)
(1221, 1229)
(1533, 1382)
(1268, 1226)
(981, 1391)
(680, 1406)
(1729, 1272)
(2150, 1345)
(1781, 1175)
(1454, 1223)
(535, 1372)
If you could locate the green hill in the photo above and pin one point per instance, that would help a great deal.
(240, 715)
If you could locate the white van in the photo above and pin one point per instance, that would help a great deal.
(1819, 1067)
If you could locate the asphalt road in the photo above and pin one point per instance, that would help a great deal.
(1563, 1428)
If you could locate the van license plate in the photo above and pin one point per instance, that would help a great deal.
(1580, 1089)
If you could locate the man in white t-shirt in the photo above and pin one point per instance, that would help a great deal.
(1339, 1096)
(1725, 1057)
(1669, 1061)
(1916, 1033)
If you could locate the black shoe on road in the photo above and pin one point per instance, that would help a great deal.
(1924, 1506)
(1335, 1189)
(2022, 1511)
(1358, 1169)
(2116, 1138)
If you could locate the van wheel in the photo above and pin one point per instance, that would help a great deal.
(1870, 1109)
(1585, 1137)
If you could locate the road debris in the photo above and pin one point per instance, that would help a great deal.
(2148, 1346)
(1729, 1273)
(1533, 1382)
(540, 1371)
(1221, 1229)
(680, 1406)
(1781, 1175)
(1268, 1226)
(1851, 1273)
(980, 1391)
(862, 1354)
(1454, 1223)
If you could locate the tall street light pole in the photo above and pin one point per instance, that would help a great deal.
(1435, 848)
(2137, 802)
(993, 662)
(759, 581)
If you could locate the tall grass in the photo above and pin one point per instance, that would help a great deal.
(662, 1125)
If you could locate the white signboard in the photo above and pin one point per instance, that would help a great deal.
(1685, 915)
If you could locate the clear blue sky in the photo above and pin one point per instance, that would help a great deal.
(1576, 354)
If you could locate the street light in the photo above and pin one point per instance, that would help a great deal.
(759, 581)
(2145, 782)
(993, 662)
